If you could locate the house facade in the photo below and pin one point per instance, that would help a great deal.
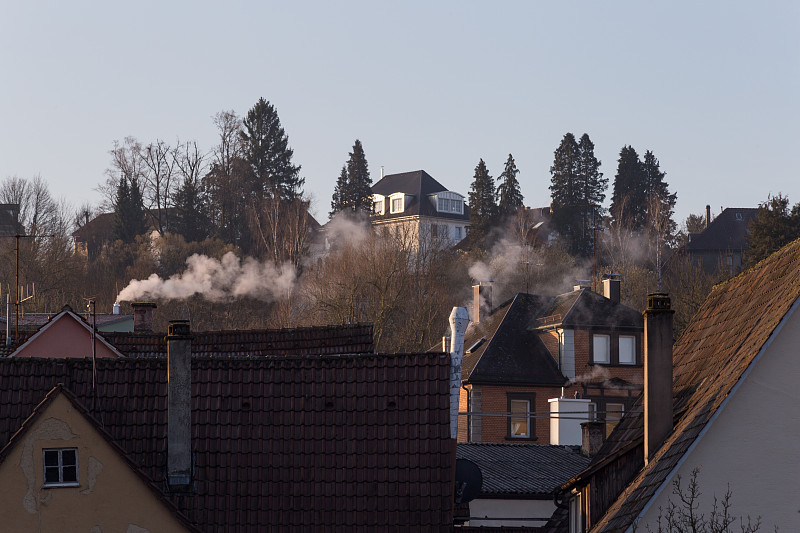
(728, 418)
(418, 208)
(533, 349)
(722, 245)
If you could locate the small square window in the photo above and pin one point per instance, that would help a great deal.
(600, 346)
(397, 205)
(627, 350)
(61, 467)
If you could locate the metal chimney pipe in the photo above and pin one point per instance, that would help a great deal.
(708, 215)
(481, 300)
(657, 372)
(459, 320)
(179, 404)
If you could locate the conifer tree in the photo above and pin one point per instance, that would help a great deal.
(509, 195)
(565, 192)
(339, 199)
(628, 202)
(660, 203)
(191, 212)
(359, 183)
(482, 206)
(129, 216)
(266, 148)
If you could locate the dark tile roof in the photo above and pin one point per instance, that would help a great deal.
(724, 337)
(320, 340)
(587, 309)
(726, 232)
(33, 321)
(418, 184)
(283, 443)
(511, 352)
(511, 469)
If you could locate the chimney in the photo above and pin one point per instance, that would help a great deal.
(594, 433)
(566, 415)
(459, 320)
(581, 284)
(611, 286)
(179, 408)
(481, 300)
(115, 309)
(143, 317)
(657, 372)
(446, 344)
(708, 215)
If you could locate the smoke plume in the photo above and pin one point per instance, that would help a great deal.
(216, 281)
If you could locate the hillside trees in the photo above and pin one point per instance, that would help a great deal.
(482, 206)
(577, 189)
(266, 150)
(508, 193)
(353, 191)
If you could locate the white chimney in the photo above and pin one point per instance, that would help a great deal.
(657, 372)
(611, 286)
(566, 415)
(459, 320)
(481, 300)
(179, 405)
(116, 308)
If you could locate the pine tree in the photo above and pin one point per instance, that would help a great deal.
(773, 227)
(191, 212)
(660, 203)
(565, 192)
(482, 206)
(592, 187)
(628, 202)
(129, 216)
(508, 193)
(266, 147)
(359, 183)
(338, 202)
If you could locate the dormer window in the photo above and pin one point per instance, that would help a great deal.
(448, 202)
(398, 202)
(60, 467)
(377, 207)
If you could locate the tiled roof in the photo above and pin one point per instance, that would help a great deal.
(726, 334)
(511, 353)
(585, 308)
(523, 469)
(33, 321)
(339, 442)
(419, 184)
(726, 232)
(324, 340)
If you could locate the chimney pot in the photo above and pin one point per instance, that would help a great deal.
(657, 372)
(143, 317)
(593, 433)
(481, 300)
(179, 404)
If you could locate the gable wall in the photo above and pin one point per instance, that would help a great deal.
(64, 338)
(111, 497)
(494, 399)
(754, 444)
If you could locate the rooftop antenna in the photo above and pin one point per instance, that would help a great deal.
(90, 306)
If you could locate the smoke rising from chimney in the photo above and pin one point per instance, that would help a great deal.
(217, 281)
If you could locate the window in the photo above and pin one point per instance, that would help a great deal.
(575, 514)
(600, 346)
(458, 233)
(444, 204)
(614, 412)
(377, 207)
(627, 350)
(61, 467)
(520, 418)
(520, 425)
(434, 230)
(397, 205)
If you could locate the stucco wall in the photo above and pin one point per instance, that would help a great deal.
(754, 444)
(110, 496)
(64, 338)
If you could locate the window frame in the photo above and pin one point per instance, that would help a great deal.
(619, 350)
(613, 348)
(377, 207)
(529, 397)
(61, 466)
(607, 337)
(616, 421)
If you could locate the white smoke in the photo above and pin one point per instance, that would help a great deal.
(217, 281)
(343, 229)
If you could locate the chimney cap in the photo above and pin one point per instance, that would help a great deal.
(179, 328)
(144, 304)
(658, 301)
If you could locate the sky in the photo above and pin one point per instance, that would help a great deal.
(712, 88)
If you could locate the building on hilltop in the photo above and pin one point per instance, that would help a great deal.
(419, 208)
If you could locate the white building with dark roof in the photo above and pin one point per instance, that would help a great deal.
(420, 208)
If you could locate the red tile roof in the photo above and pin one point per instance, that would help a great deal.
(323, 340)
(334, 442)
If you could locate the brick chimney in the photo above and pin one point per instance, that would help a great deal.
(459, 320)
(481, 300)
(143, 317)
(611, 286)
(593, 433)
(657, 372)
(179, 405)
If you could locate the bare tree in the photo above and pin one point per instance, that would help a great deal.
(282, 229)
(158, 185)
(127, 163)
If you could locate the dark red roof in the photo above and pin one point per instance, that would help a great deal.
(323, 340)
(334, 442)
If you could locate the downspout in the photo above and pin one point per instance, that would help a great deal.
(469, 411)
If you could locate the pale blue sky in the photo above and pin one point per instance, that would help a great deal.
(712, 88)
